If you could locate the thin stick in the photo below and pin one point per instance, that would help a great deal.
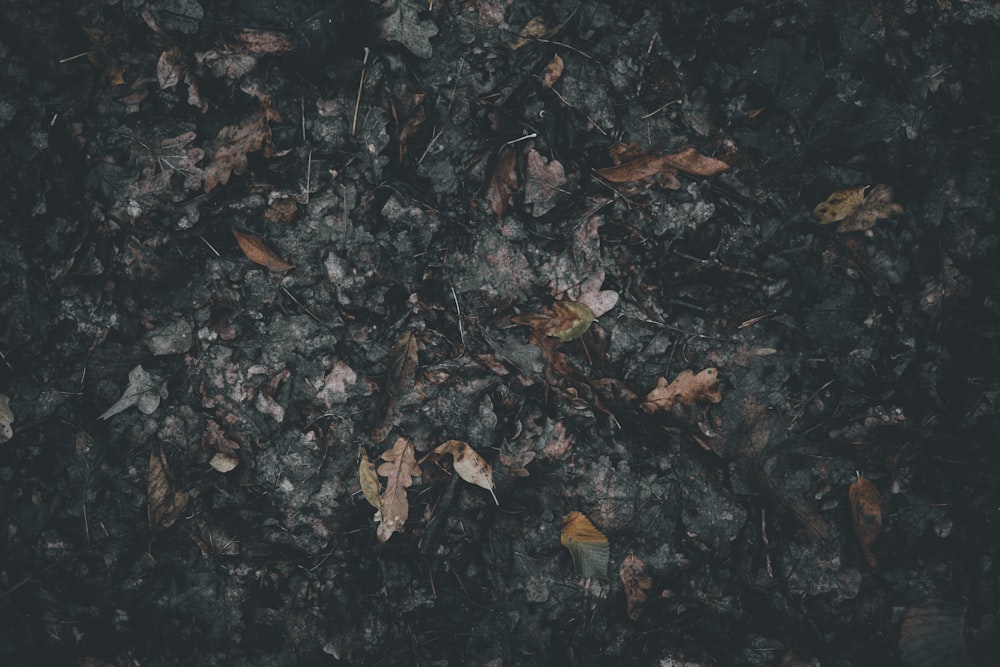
(361, 85)
(461, 330)
(76, 57)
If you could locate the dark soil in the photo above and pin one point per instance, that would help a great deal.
(425, 173)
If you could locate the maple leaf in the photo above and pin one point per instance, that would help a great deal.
(234, 142)
(687, 388)
(399, 469)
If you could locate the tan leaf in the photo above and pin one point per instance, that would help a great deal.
(258, 253)
(282, 210)
(266, 42)
(866, 515)
(469, 465)
(534, 29)
(877, 205)
(637, 584)
(399, 469)
(402, 366)
(687, 388)
(839, 205)
(369, 480)
(552, 72)
(169, 68)
(633, 170)
(543, 183)
(504, 182)
(587, 545)
(166, 503)
(691, 161)
(234, 142)
(224, 462)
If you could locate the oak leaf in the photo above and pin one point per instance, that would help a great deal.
(469, 465)
(586, 544)
(258, 253)
(234, 142)
(166, 502)
(687, 388)
(543, 183)
(866, 515)
(399, 469)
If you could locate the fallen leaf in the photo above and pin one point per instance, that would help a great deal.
(169, 68)
(533, 30)
(839, 205)
(552, 72)
(469, 465)
(369, 480)
(144, 391)
(687, 388)
(282, 210)
(266, 42)
(565, 320)
(933, 634)
(504, 181)
(405, 26)
(6, 419)
(691, 161)
(401, 368)
(224, 462)
(633, 170)
(227, 64)
(234, 142)
(637, 584)
(399, 469)
(643, 165)
(409, 122)
(587, 545)
(866, 515)
(543, 183)
(258, 253)
(877, 205)
(166, 503)
(599, 302)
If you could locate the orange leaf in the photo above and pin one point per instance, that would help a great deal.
(587, 545)
(693, 162)
(552, 72)
(687, 388)
(258, 253)
(637, 584)
(866, 515)
(633, 170)
(399, 469)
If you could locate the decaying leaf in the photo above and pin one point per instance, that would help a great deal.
(224, 462)
(636, 169)
(402, 366)
(6, 419)
(933, 634)
(692, 162)
(406, 27)
(534, 29)
(543, 183)
(399, 469)
(169, 68)
(504, 181)
(587, 545)
(258, 253)
(857, 209)
(369, 480)
(687, 388)
(144, 391)
(266, 42)
(234, 142)
(866, 515)
(166, 502)
(565, 320)
(282, 210)
(469, 465)
(632, 164)
(637, 584)
(552, 72)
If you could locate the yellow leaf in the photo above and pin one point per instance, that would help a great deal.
(587, 545)
(369, 480)
(839, 205)
(258, 253)
(469, 465)
(565, 320)
(876, 206)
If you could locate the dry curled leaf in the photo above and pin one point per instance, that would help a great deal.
(552, 72)
(641, 165)
(369, 480)
(866, 515)
(469, 465)
(857, 209)
(839, 205)
(235, 142)
(687, 388)
(399, 376)
(399, 469)
(636, 169)
(691, 161)
(637, 584)
(258, 253)
(587, 545)
(166, 502)
(534, 29)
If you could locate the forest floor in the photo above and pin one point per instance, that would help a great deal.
(703, 298)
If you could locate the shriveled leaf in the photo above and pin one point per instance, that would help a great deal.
(543, 183)
(469, 465)
(691, 161)
(504, 181)
(637, 584)
(633, 170)
(166, 502)
(406, 27)
(144, 391)
(839, 205)
(866, 516)
(587, 545)
(369, 480)
(533, 30)
(877, 205)
(234, 142)
(552, 72)
(282, 210)
(258, 253)
(686, 389)
(399, 469)
(266, 42)
(231, 65)
(169, 68)
(401, 368)
(599, 302)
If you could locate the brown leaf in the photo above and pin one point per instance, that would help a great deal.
(169, 68)
(399, 376)
(266, 42)
(687, 388)
(565, 320)
(258, 253)
(504, 181)
(227, 64)
(637, 584)
(877, 205)
(166, 503)
(399, 469)
(691, 161)
(866, 515)
(369, 480)
(552, 72)
(633, 170)
(587, 545)
(469, 465)
(534, 29)
(543, 183)
(234, 142)
(839, 205)
(282, 210)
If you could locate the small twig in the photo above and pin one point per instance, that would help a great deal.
(302, 115)
(461, 329)
(361, 85)
(662, 107)
(309, 167)
(429, 144)
(76, 57)
(212, 248)
(519, 139)
(299, 304)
